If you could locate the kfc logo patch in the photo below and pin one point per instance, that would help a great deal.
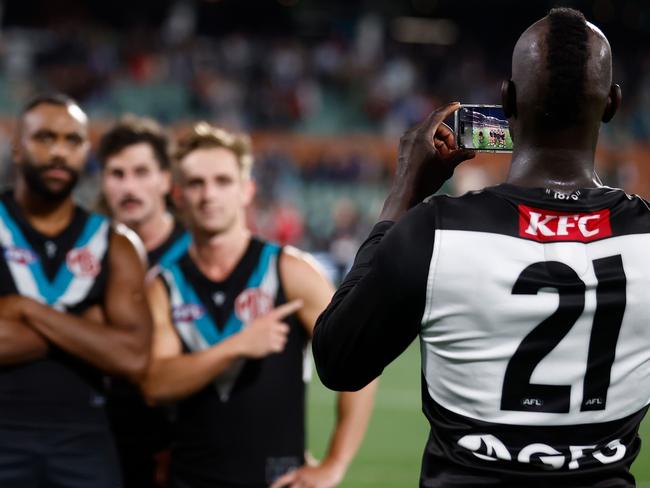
(252, 303)
(550, 226)
(20, 255)
(188, 312)
(81, 262)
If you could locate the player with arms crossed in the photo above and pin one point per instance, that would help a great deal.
(530, 298)
(232, 319)
(136, 181)
(73, 307)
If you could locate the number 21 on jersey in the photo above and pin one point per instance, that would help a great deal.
(519, 393)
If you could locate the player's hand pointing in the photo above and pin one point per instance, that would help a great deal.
(267, 334)
(427, 158)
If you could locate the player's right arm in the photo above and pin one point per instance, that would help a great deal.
(19, 343)
(174, 374)
(376, 312)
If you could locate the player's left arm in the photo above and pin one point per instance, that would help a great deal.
(120, 344)
(302, 280)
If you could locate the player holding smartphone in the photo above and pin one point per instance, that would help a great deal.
(530, 298)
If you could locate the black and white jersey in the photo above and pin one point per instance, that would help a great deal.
(531, 307)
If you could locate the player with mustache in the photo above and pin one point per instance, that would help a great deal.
(135, 182)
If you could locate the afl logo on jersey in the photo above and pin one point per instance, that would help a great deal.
(81, 262)
(252, 303)
(20, 255)
(550, 225)
(188, 312)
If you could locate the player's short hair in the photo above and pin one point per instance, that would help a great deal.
(567, 44)
(130, 130)
(206, 136)
(59, 99)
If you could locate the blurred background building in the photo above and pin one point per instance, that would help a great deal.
(325, 87)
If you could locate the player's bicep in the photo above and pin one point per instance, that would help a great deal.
(303, 280)
(376, 312)
(125, 302)
(165, 341)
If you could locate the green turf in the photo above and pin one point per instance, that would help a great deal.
(486, 145)
(390, 455)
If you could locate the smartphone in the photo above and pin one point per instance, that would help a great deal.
(482, 128)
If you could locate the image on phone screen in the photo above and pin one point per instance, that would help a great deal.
(482, 128)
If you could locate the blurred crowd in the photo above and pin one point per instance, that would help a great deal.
(355, 80)
(358, 78)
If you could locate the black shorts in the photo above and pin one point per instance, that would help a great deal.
(140, 433)
(34, 457)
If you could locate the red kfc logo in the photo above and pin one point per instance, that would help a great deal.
(550, 225)
(252, 303)
(81, 262)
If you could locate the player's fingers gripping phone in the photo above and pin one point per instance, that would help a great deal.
(482, 128)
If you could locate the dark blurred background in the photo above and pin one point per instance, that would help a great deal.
(325, 87)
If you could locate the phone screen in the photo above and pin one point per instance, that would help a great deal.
(482, 128)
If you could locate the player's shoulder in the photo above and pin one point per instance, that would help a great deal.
(126, 241)
(639, 201)
(299, 268)
(449, 211)
(485, 198)
(265, 245)
(297, 261)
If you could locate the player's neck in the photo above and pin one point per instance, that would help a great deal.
(560, 169)
(155, 230)
(217, 256)
(47, 216)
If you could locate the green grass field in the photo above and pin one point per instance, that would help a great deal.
(485, 144)
(390, 455)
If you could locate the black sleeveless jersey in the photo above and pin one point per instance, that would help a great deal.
(247, 427)
(175, 245)
(69, 273)
(531, 307)
(140, 430)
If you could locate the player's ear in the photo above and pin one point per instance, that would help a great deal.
(509, 98)
(613, 102)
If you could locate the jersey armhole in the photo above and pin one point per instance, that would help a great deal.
(161, 275)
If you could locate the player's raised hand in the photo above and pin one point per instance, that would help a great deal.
(427, 158)
(267, 334)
